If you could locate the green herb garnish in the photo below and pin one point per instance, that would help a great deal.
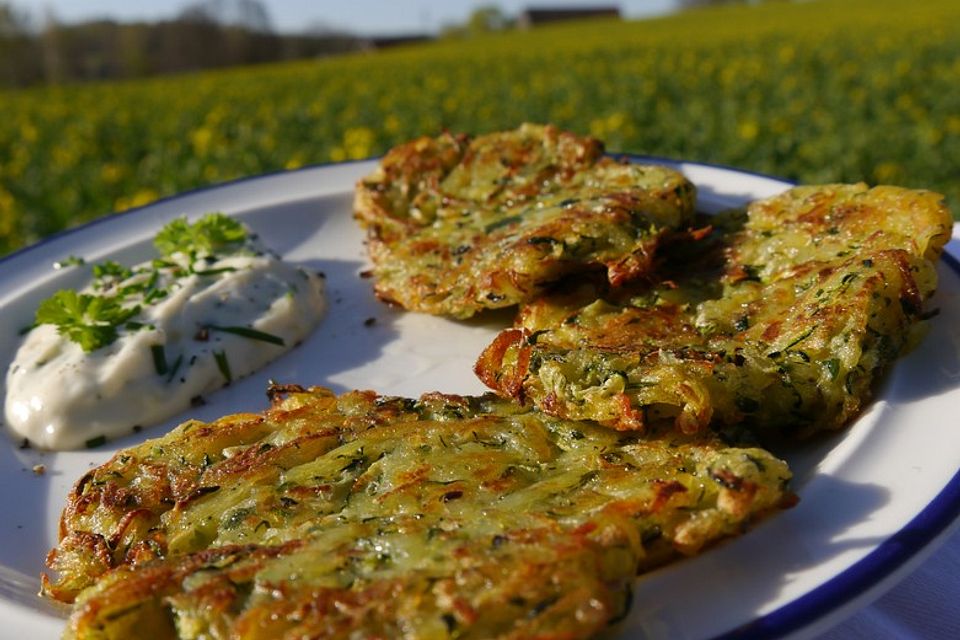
(175, 367)
(93, 321)
(90, 321)
(247, 332)
(223, 364)
(205, 236)
(159, 358)
(69, 261)
(214, 272)
(154, 294)
(111, 269)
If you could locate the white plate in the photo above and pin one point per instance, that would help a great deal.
(874, 499)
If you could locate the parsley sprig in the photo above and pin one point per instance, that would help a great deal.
(90, 321)
(211, 233)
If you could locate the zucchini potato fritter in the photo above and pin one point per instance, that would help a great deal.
(458, 224)
(780, 321)
(368, 516)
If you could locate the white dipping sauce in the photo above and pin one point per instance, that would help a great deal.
(60, 397)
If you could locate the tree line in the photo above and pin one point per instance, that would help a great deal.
(207, 34)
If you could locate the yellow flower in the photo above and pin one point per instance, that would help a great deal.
(200, 138)
(111, 173)
(748, 129)
(887, 172)
(8, 218)
(358, 142)
(138, 199)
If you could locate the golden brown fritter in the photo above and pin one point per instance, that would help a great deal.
(813, 298)
(368, 516)
(458, 224)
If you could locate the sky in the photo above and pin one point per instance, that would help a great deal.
(358, 16)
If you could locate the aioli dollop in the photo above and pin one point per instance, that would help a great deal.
(221, 316)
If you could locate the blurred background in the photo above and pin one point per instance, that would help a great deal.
(108, 104)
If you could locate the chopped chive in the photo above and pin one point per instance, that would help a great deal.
(95, 442)
(213, 272)
(175, 367)
(223, 364)
(247, 332)
(159, 359)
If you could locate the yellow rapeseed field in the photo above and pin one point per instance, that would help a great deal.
(829, 90)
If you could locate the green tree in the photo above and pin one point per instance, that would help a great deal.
(484, 19)
(487, 18)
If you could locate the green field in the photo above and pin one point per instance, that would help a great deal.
(841, 90)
